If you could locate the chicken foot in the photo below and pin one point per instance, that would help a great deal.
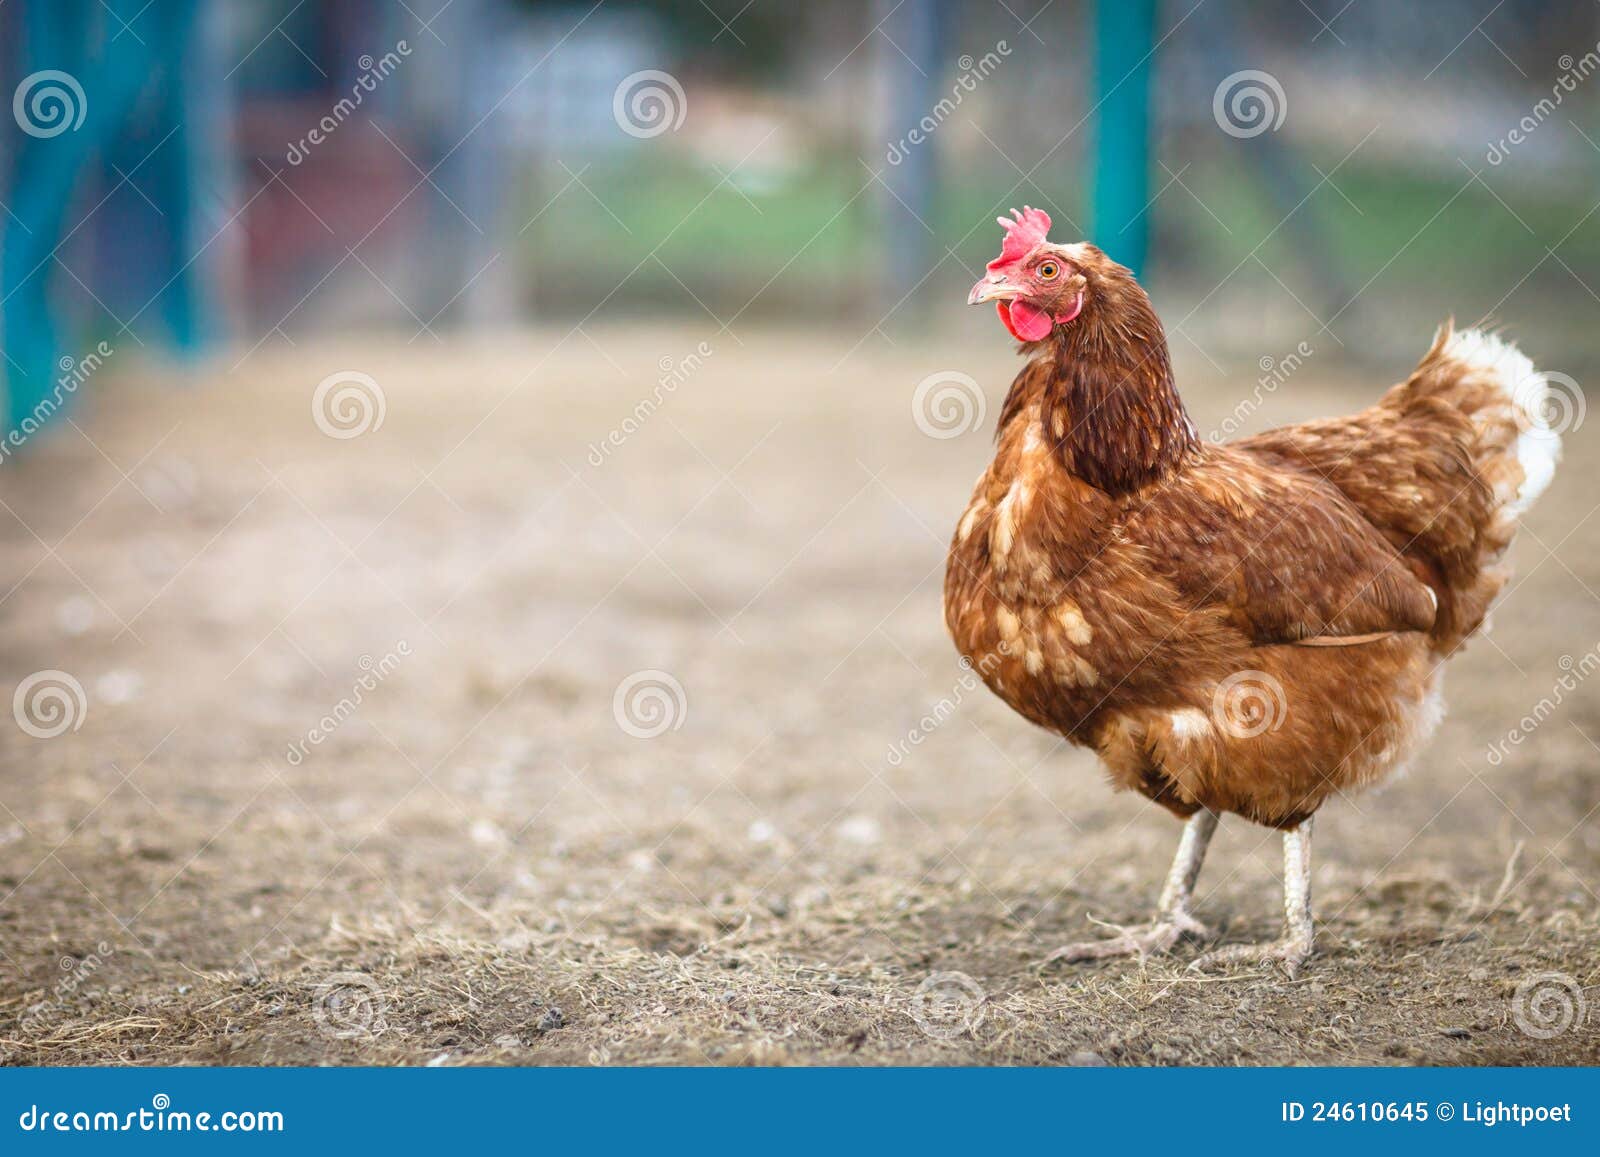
(1291, 951)
(1173, 918)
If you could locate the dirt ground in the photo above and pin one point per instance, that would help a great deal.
(349, 781)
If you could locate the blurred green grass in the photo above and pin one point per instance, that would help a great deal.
(1424, 237)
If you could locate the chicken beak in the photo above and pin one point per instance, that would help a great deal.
(990, 288)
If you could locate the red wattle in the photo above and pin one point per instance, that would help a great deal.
(1003, 308)
(1029, 322)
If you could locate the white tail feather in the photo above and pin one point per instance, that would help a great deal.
(1527, 391)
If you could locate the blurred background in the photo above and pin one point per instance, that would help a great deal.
(485, 163)
(477, 477)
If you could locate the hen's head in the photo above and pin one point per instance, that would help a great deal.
(1038, 286)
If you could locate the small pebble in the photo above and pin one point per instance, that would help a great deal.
(485, 833)
(860, 829)
(75, 615)
(551, 1020)
(1084, 1059)
(117, 687)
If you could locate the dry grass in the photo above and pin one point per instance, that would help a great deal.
(479, 866)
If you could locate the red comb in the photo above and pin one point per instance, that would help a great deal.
(1023, 233)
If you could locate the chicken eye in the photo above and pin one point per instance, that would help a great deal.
(1049, 270)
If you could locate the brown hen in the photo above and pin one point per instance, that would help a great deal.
(1248, 627)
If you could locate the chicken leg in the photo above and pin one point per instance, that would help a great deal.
(1173, 918)
(1292, 950)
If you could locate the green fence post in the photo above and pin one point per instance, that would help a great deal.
(1125, 36)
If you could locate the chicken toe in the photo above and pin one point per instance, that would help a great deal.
(1290, 952)
(1173, 919)
(1160, 935)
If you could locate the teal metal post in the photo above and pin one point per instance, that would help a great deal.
(1125, 37)
(112, 75)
